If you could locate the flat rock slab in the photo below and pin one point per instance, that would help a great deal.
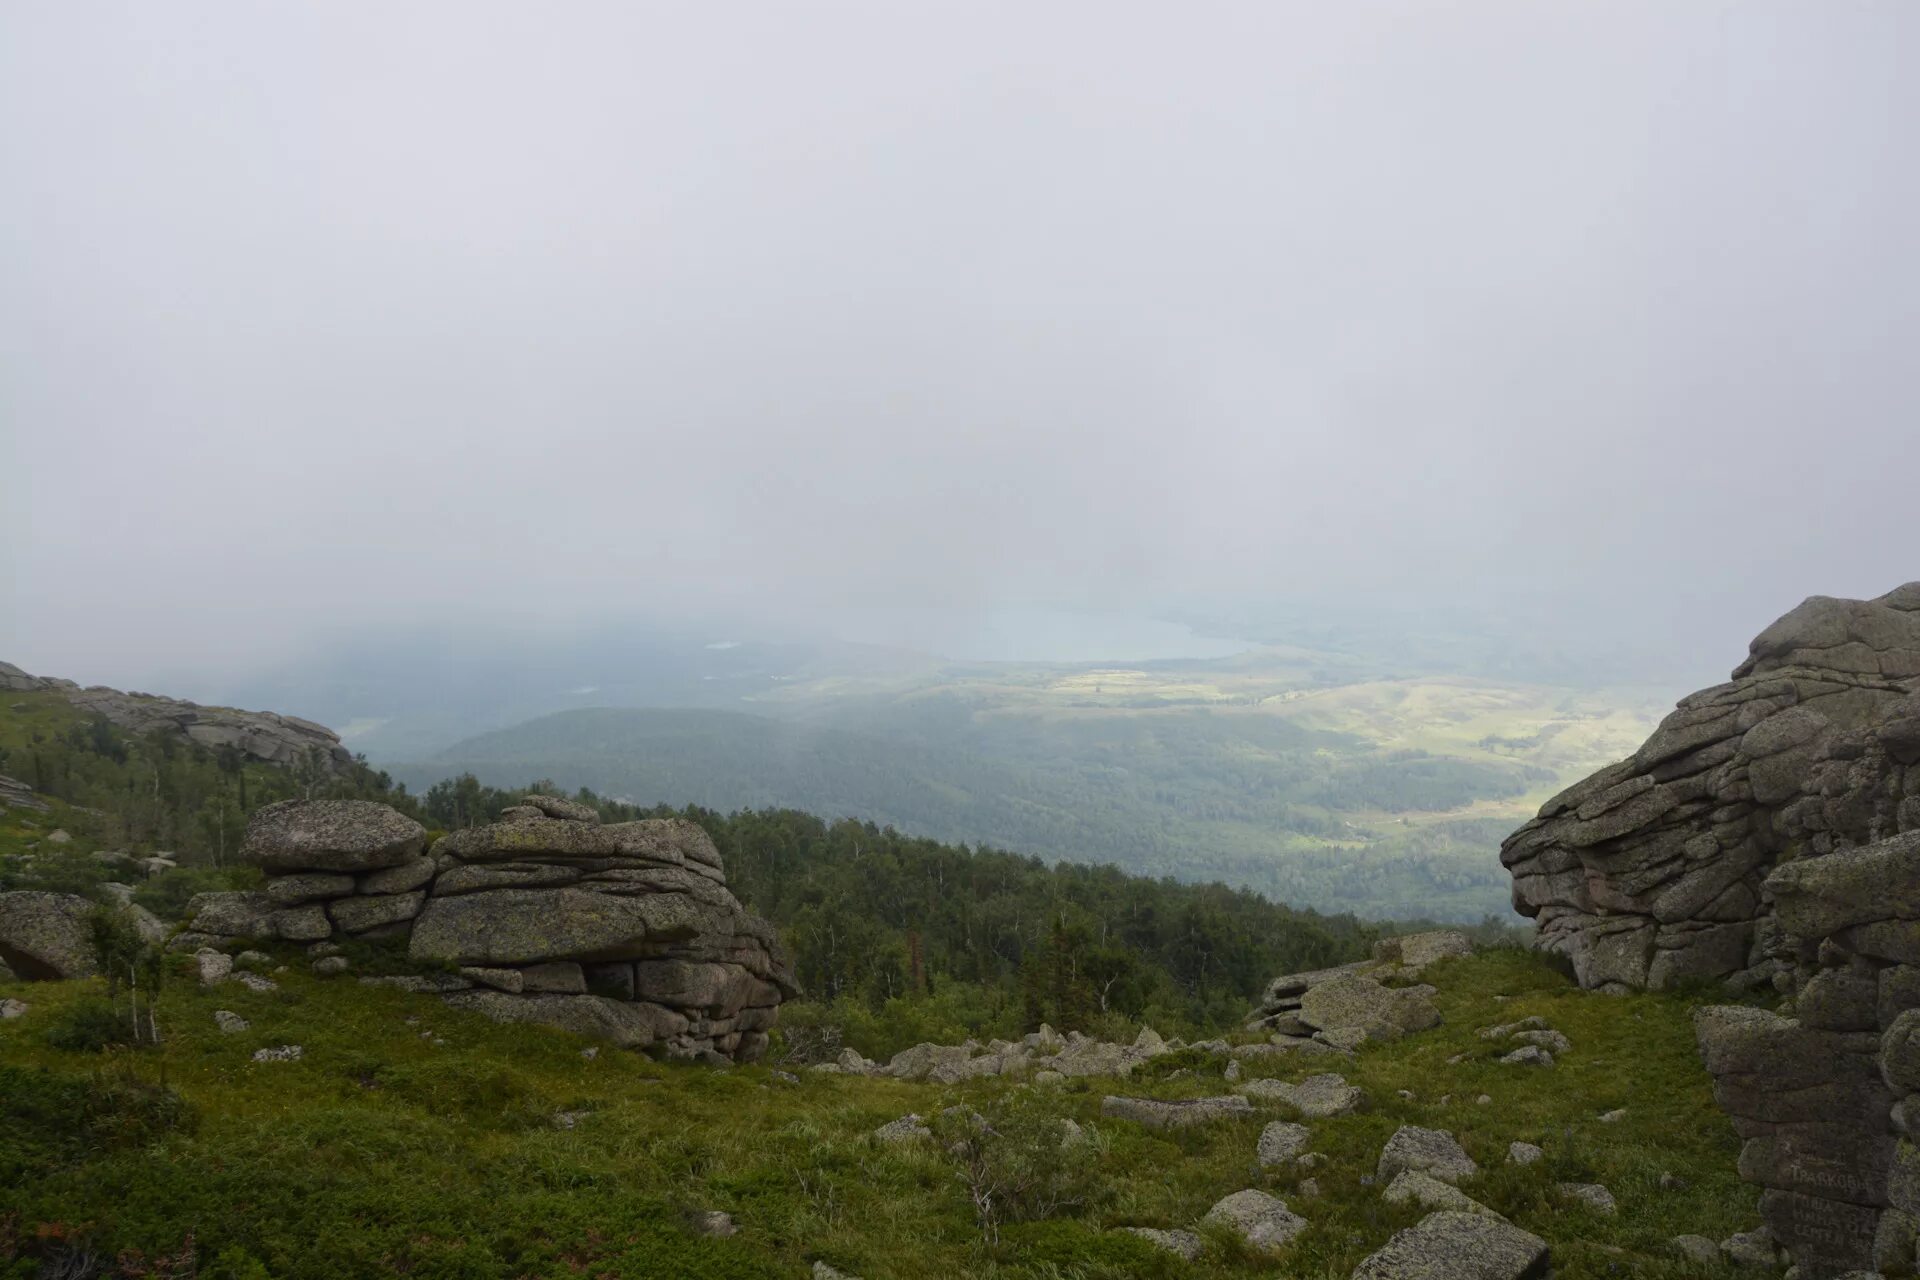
(1317, 1097)
(1451, 1245)
(1429, 1192)
(1429, 1151)
(1152, 1113)
(1183, 1244)
(331, 835)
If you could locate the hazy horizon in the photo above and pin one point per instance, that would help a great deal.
(1586, 329)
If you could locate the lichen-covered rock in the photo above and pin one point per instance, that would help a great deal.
(1427, 1191)
(47, 935)
(1430, 1151)
(1281, 1142)
(1655, 870)
(331, 835)
(1262, 1220)
(232, 914)
(1317, 1097)
(1451, 1245)
(1154, 1113)
(1355, 1001)
(1183, 1244)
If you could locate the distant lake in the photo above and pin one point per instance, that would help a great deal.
(1033, 635)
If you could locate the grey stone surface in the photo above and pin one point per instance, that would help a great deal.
(1153, 1113)
(1184, 1244)
(1280, 1142)
(331, 835)
(1451, 1245)
(1263, 1221)
(1427, 1191)
(1429, 1151)
(1317, 1097)
(46, 935)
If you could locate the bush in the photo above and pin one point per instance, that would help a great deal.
(90, 1026)
(167, 895)
(1020, 1162)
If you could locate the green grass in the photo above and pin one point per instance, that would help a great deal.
(385, 1151)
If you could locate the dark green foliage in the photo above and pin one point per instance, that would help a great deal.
(48, 1120)
(91, 1026)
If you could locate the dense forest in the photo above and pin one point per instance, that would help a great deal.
(1247, 799)
(893, 936)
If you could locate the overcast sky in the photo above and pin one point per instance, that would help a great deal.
(327, 318)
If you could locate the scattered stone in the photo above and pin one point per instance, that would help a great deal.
(905, 1129)
(1429, 1192)
(1590, 1194)
(821, 1271)
(1613, 1117)
(714, 1222)
(1551, 1041)
(1528, 1056)
(253, 960)
(230, 1022)
(1523, 1153)
(508, 980)
(1262, 1220)
(255, 983)
(1281, 1142)
(1483, 1100)
(1754, 1248)
(58, 836)
(1697, 1249)
(13, 1009)
(784, 1077)
(1184, 1244)
(285, 1053)
(1309, 1188)
(1153, 1113)
(328, 966)
(590, 1052)
(212, 966)
(1317, 1097)
(1431, 1151)
(1451, 1245)
(1232, 1071)
(568, 1119)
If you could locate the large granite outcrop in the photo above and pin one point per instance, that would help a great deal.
(1828, 1099)
(1655, 870)
(258, 735)
(628, 927)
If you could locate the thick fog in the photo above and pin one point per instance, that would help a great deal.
(1596, 320)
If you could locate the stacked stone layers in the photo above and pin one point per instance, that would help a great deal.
(335, 868)
(1829, 1099)
(626, 930)
(1654, 870)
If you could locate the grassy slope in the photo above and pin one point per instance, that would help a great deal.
(383, 1152)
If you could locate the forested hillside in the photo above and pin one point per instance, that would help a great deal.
(894, 937)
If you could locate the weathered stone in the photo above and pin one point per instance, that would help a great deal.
(1590, 1194)
(562, 808)
(1523, 1153)
(230, 1022)
(1153, 1113)
(1262, 1220)
(300, 924)
(312, 886)
(232, 915)
(405, 878)
(563, 977)
(359, 914)
(627, 1024)
(47, 935)
(906, 1129)
(1430, 1151)
(1281, 1142)
(1427, 1191)
(1184, 1244)
(1450, 1245)
(331, 835)
(1317, 1097)
(1353, 1000)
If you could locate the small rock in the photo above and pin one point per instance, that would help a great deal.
(13, 1009)
(1591, 1194)
(1613, 1117)
(785, 1077)
(253, 960)
(1430, 1193)
(212, 966)
(1048, 1076)
(1431, 1151)
(1483, 1100)
(1184, 1244)
(1281, 1142)
(1670, 1183)
(58, 836)
(714, 1222)
(1317, 1097)
(1309, 1187)
(1406, 1095)
(1523, 1153)
(1697, 1249)
(1233, 1070)
(1312, 1160)
(1152, 1113)
(568, 1119)
(229, 1021)
(905, 1129)
(328, 966)
(285, 1053)
(1263, 1221)
(255, 983)
(821, 1271)
(590, 1052)
(1552, 1041)
(321, 950)
(1528, 1056)
(1751, 1248)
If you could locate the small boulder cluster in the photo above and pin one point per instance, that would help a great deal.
(622, 931)
(335, 869)
(1348, 1005)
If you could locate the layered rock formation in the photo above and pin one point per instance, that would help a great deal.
(1655, 870)
(334, 868)
(1829, 1099)
(625, 931)
(1350, 1003)
(259, 735)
